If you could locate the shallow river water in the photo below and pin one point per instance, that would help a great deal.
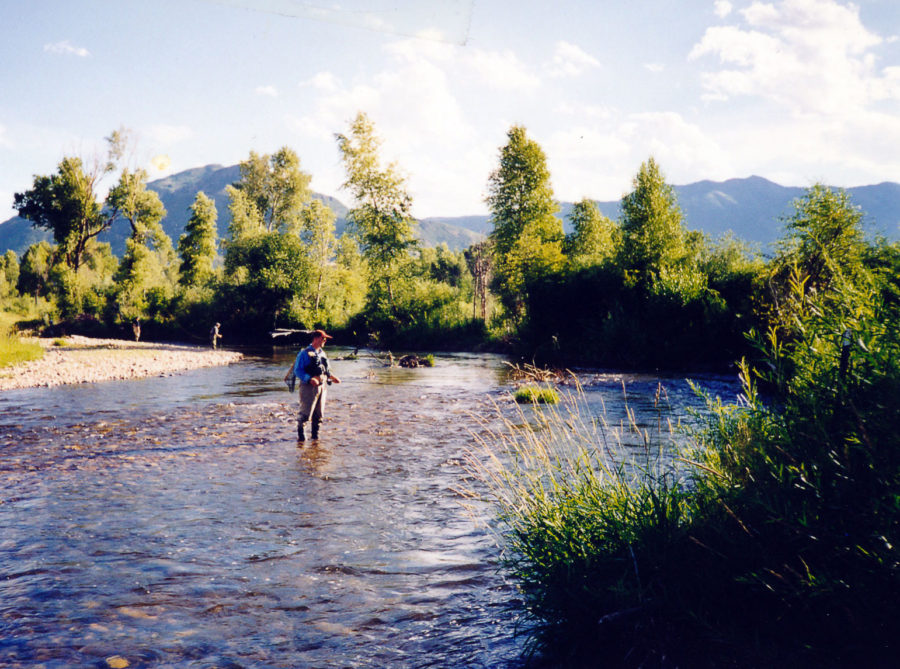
(174, 522)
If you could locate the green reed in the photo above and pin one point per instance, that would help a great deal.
(771, 541)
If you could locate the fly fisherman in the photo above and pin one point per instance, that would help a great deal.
(314, 377)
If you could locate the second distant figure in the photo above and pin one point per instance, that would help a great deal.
(313, 377)
(214, 335)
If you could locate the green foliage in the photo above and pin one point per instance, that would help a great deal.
(527, 236)
(530, 394)
(66, 204)
(652, 232)
(381, 217)
(594, 238)
(9, 274)
(197, 246)
(144, 281)
(34, 271)
(262, 274)
(317, 224)
(275, 189)
(246, 220)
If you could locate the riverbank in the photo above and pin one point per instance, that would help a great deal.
(77, 359)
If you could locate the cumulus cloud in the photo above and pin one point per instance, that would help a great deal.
(66, 48)
(415, 101)
(656, 68)
(570, 60)
(269, 91)
(811, 56)
(722, 8)
(597, 157)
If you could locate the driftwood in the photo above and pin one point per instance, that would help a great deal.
(409, 361)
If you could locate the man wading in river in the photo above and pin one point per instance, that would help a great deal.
(314, 377)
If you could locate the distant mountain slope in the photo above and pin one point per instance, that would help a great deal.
(752, 208)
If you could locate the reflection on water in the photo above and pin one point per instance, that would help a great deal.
(174, 521)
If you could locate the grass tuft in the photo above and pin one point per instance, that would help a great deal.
(531, 394)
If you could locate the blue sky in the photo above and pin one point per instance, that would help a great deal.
(797, 91)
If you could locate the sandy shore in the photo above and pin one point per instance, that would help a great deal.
(86, 360)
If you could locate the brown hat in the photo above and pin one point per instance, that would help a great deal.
(322, 334)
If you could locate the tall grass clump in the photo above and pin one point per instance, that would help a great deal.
(13, 350)
(774, 543)
(800, 496)
(590, 533)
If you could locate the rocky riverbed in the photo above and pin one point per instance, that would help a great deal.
(77, 359)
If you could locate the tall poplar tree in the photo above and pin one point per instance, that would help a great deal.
(381, 217)
(652, 230)
(593, 238)
(527, 235)
(197, 246)
(276, 187)
(318, 232)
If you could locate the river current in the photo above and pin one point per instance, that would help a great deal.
(174, 522)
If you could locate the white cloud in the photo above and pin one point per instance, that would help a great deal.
(810, 56)
(426, 103)
(169, 134)
(570, 60)
(656, 68)
(269, 91)
(323, 81)
(4, 140)
(722, 8)
(597, 158)
(66, 48)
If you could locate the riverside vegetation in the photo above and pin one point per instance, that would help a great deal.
(775, 537)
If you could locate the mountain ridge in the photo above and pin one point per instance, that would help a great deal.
(751, 208)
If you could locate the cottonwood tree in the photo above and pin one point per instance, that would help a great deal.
(652, 231)
(148, 261)
(381, 218)
(197, 246)
(594, 237)
(317, 224)
(527, 236)
(34, 270)
(66, 204)
(275, 190)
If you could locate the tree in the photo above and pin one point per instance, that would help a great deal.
(824, 236)
(197, 246)
(381, 217)
(527, 236)
(9, 273)
(34, 270)
(246, 220)
(276, 188)
(594, 237)
(148, 261)
(318, 233)
(478, 259)
(652, 232)
(263, 274)
(66, 204)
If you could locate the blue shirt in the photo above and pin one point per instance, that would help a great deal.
(303, 360)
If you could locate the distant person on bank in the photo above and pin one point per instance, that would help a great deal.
(314, 376)
(214, 335)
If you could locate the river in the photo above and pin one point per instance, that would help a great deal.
(174, 522)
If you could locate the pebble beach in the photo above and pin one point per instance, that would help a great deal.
(77, 359)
